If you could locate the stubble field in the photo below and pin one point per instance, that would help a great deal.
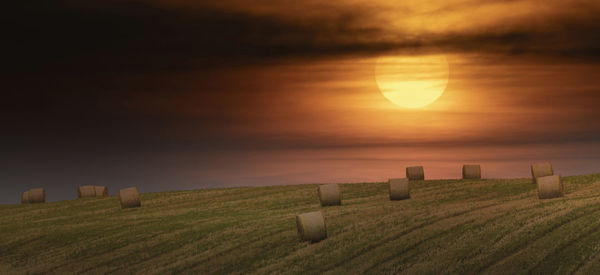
(448, 226)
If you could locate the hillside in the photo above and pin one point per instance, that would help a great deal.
(460, 226)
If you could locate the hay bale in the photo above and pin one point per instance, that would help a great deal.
(25, 197)
(415, 173)
(311, 227)
(471, 171)
(87, 191)
(541, 170)
(329, 194)
(101, 191)
(130, 197)
(399, 189)
(550, 187)
(37, 195)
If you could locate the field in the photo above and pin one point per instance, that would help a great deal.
(448, 226)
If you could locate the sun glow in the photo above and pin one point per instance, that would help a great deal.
(412, 82)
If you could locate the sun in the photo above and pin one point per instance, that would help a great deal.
(412, 81)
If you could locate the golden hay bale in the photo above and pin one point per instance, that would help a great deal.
(101, 191)
(37, 195)
(550, 187)
(130, 197)
(25, 197)
(311, 226)
(415, 173)
(471, 171)
(87, 191)
(329, 194)
(541, 170)
(399, 189)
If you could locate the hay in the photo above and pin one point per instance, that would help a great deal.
(471, 171)
(25, 197)
(87, 191)
(415, 173)
(101, 191)
(311, 227)
(37, 195)
(399, 189)
(329, 194)
(550, 187)
(541, 170)
(130, 197)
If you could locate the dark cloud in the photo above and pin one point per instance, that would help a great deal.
(560, 38)
(70, 37)
(130, 36)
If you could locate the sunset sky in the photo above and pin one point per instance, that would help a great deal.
(181, 94)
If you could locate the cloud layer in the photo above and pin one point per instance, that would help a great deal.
(140, 36)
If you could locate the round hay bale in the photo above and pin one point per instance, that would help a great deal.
(25, 197)
(415, 173)
(311, 226)
(471, 171)
(399, 189)
(87, 191)
(37, 195)
(101, 191)
(541, 170)
(130, 197)
(550, 187)
(329, 194)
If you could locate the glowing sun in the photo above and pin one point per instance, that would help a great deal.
(412, 81)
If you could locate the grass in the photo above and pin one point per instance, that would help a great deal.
(448, 226)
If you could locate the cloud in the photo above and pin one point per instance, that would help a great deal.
(133, 36)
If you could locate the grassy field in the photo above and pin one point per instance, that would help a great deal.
(448, 226)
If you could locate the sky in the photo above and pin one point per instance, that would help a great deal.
(174, 95)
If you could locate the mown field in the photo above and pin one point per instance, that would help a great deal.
(448, 226)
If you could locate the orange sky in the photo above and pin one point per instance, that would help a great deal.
(192, 94)
(337, 103)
